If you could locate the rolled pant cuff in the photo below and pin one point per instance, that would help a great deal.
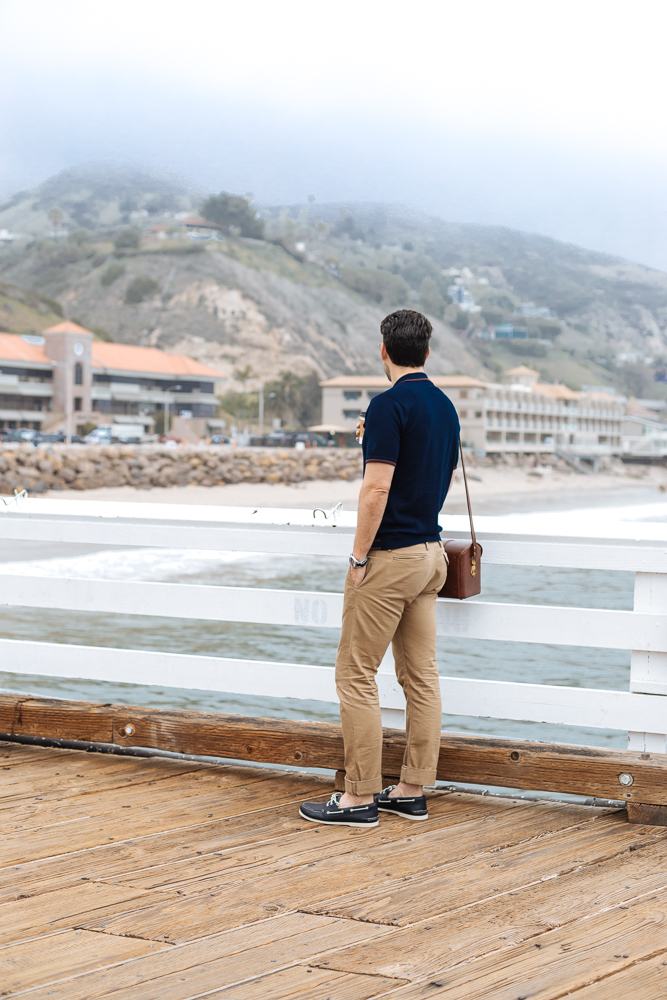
(366, 787)
(417, 776)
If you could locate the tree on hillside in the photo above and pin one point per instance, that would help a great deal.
(55, 217)
(231, 210)
(127, 239)
(430, 298)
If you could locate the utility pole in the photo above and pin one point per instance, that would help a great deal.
(69, 403)
(176, 388)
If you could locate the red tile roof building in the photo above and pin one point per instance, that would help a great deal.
(64, 375)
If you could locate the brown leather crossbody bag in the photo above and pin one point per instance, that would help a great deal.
(464, 576)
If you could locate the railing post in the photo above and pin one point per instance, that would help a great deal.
(648, 671)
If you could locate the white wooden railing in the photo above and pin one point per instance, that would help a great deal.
(590, 542)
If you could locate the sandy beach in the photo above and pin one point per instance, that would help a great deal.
(493, 491)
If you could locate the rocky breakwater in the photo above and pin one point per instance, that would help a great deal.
(77, 467)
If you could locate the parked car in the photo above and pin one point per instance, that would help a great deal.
(21, 434)
(288, 439)
(220, 439)
(116, 433)
(57, 438)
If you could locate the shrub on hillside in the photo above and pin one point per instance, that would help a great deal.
(528, 348)
(381, 286)
(110, 273)
(493, 316)
(229, 210)
(127, 239)
(416, 268)
(140, 289)
(430, 299)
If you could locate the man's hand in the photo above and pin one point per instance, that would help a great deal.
(357, 573)
(359, 429)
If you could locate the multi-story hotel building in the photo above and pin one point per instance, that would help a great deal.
(523, 415)
(64, 374)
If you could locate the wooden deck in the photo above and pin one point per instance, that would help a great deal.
(139, 879)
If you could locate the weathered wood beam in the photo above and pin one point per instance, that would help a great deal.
(640, 779)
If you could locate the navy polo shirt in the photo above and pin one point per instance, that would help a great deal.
(414, 427)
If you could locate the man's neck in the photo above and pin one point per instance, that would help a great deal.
(395, 372)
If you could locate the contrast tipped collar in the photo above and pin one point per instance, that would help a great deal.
(411, 377)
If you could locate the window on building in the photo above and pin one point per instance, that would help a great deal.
(352, 395)
(78, 403)
(463, 394)
(78, 374)
(463, 414)
(350, 414)
(493, 436)
(512, 436)
(372, 395)
(529, 438)
(478, 414)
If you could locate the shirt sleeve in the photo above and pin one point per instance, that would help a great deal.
(384, 427)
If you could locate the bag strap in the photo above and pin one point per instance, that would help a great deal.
(465, 480)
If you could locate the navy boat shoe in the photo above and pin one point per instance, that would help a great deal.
(407, 808)
(332, 814)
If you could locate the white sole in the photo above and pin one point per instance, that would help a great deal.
(395, 812)
(337, 822)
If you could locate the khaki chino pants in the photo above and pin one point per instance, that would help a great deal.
(394, 603)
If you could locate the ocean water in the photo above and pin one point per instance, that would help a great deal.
(566, 665)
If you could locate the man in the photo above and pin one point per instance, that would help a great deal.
(397, 567)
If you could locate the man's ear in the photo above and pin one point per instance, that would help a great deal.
(383, 352)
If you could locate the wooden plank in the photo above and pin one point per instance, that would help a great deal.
(89, 831)
(297, 850)
(255, 835)
(467, 880)
(608, 629)
(568, 958)
(480, 760)
(216, 960)
(646, 980)
(653, 815)
(131, 815)
(553, 767)
(61, 955)
(160, 789)
(228, 905)
(307, 984)
(67, 908)
(31, 781)
(435, 944)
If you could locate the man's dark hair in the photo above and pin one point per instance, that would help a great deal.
(406, 334)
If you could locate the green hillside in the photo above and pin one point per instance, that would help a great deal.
(111, 247)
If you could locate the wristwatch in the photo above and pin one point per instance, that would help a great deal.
(357, 562)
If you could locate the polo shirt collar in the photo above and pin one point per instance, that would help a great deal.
(411, 377)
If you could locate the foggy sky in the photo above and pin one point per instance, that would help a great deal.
(543, 116)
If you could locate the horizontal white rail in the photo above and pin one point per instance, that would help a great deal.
(506, 541)
(460, 696)
(472, 620)
(591, 540)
